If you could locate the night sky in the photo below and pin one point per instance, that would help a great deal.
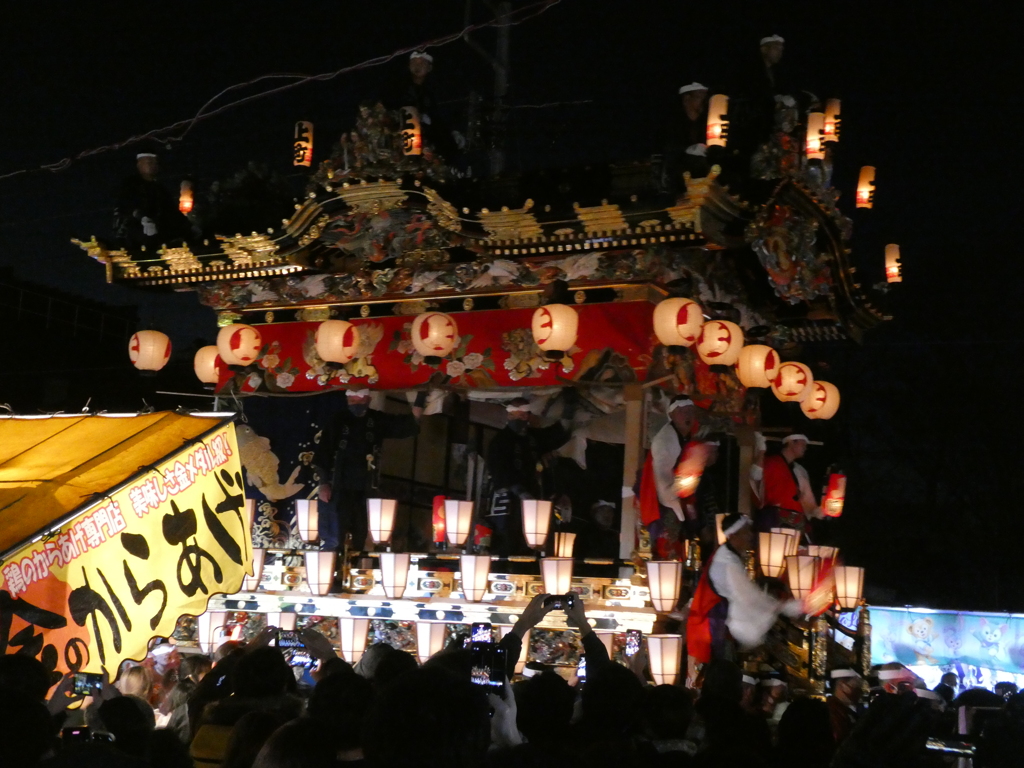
(931, 428)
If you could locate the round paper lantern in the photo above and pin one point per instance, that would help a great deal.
(336, 341)
(239, 344)
(757, 366)
(677, 322)
(149, 350)
(822, 402)
(720, 342)
(554, 329)
(208, 365)
(434, 334)
(793, 383)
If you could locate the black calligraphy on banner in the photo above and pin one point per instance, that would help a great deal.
(27, 640)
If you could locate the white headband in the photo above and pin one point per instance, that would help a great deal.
(692, 87)
(772, 39)
(839, 673)
(789, 438)
(421, 55)
(737, 526)
(527, 672)
(517, 408)
(895, 674)
(924, 693)
(749, 680)
(770, 681)
(358, 393)
(144, 154)
(684, 403)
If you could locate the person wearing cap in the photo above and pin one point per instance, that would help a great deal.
(847, 690)
(782, 489)
(727, 606)
(685, 149)
(947, 687)
(145, 213)
(416, 90)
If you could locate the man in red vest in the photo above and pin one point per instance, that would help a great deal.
(782, 488)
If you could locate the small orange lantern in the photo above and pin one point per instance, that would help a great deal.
(239, 344)
(793, 383)
(893, 271)
(718, 121)
(149, 350)
(757, 366)
(866, 187)
(832, 120)
(434, 335)
(815, 136)
(720, 342)
(554, 329)
(835, 495)
(336, 341)
(822, 402)
(677, 322)
(302, 146)
(185, 201)
(412, 132)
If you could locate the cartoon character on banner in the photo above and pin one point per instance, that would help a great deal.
(990, 637)
(953, 637)
(923, 632)
(1016, 651)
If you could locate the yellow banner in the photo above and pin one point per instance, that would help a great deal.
(94, 592)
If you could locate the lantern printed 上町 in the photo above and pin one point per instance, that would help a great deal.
(835, 495)
(822, 402)
(758, 364)
(185, 200)
(793, 383)
(832, 120)
(866, 187)
(336, 341)
(554, 329)
(434, 334)
(412, 132)
(718, 120)
(239, 344)
(720, 342)
(149, 350)
(302, 145)
(893, 271)
(208, 366)
(815, 143)
(677, 322)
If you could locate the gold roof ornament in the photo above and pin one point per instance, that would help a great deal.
(372, 198)
(601, 218)
(245, 250)
(507, 224)
(180, 259)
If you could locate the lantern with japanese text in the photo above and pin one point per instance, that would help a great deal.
(554, 329)
(822, 402)
(664, 578)
(320, 570)
(394, 573)
(677, 322)
(772, 549)
(474, 570)
(757, 365)
(793, 382)
(536, 522)
(832, 120)
(718, 120)
(185, 201)
(835, 495)
(893, 271)
(720, 342)
(802, 573)
(380, 515)
(251, 583)
(557, 574)
(665, 653)
(239, 344)
(336, 341)
(208, 366)
(210, 629)
(352, 636)
(849, 586)
(815, 142)
(458, 515)
(412, 132)
(866, 187)
(434, 335)
(430, 636)
(149, 351)
(307, 519)
(564, 544)
(302, 144)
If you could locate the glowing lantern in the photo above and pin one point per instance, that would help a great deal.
(823, 402)
(802, 573)
(677, 322)
(208, 366)
(336, 341)
(412, 132)
(239, 344)
(665, 653)
(434, 335)
(185, 201)
(793, 383)
(835, 495)
(772, 550)
(690, 469)
(429, 639)
(794, 540)
(394, 573)
(866, 187)
(282, 620)
(251, 583)
(758, 364)
(536, 522)
(320, 570)
(307, 519)
(457, 516)
(352, 637)
(823, 553)
(521, 661)
(381, 518)
(815, 141)
(554, 329)
(893, 272)
(474, 571)
(849, 586)
(564, 544)
(720, 342)
(557, 574)
(832, 120)
(149, 350)
(664, 578)
(210, 627)
(302, 146)
(718, 122)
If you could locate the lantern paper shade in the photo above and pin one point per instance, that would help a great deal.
(815, 136)
(757, 365)
(772, 549)
(207, 365)
(352, 636)
(434, 334)
(458, 516)
(565, 543)
(302, 144)
(893, 272)
(665, 653)
(381, 518)
(412, 132)
(307, 519)
(557, 574)
(720, 342)
(849, 586)
(320, 570)
(239, 344)
(664, 578)
(210, 626)
(718, 120)
(794, 539)
(555, 327)
(677, 322)
(822, 553)
(185, 200)
(835, 495)
(793, 382)
(429, 639)
(822, 402)
(802, 573)
(866, 187)
(536, 521)
(336, 341)
(149, 350)
(250, 583)
(474, 569)
(282, 620)
(525, 646)
(394, 573)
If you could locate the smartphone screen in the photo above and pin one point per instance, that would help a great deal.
(480, 633)
(481, 657)
(633, 642)
(581, 668)
(80, 733)
(289, 639)
(87, 683)
(293, 649)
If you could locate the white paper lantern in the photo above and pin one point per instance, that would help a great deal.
(210, 630)
(664, 578)
(434, 334)
(772, 550)
(208, 365)
(758, 364)
(458, 516)
(307, 519)
(320, 570)
(554, 328)
(794, 540)
(474, 570)
(565, 543)
(430, 637)
(832, 120)
(793, 383)
(815, 140)
(282, 620)
(251, 583)
(394, 573)
(239, 344)
(536, 522)
(866, 187)
(823, 402)
(557, 574)
(665, 653)
(802, 573)
(677, 322)
(149, 350)
(720, 342)
(607, 638)
(352, 636)
(718, 121)
(893, 268)
(849, 586)
(336, 341)
(380, 515)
